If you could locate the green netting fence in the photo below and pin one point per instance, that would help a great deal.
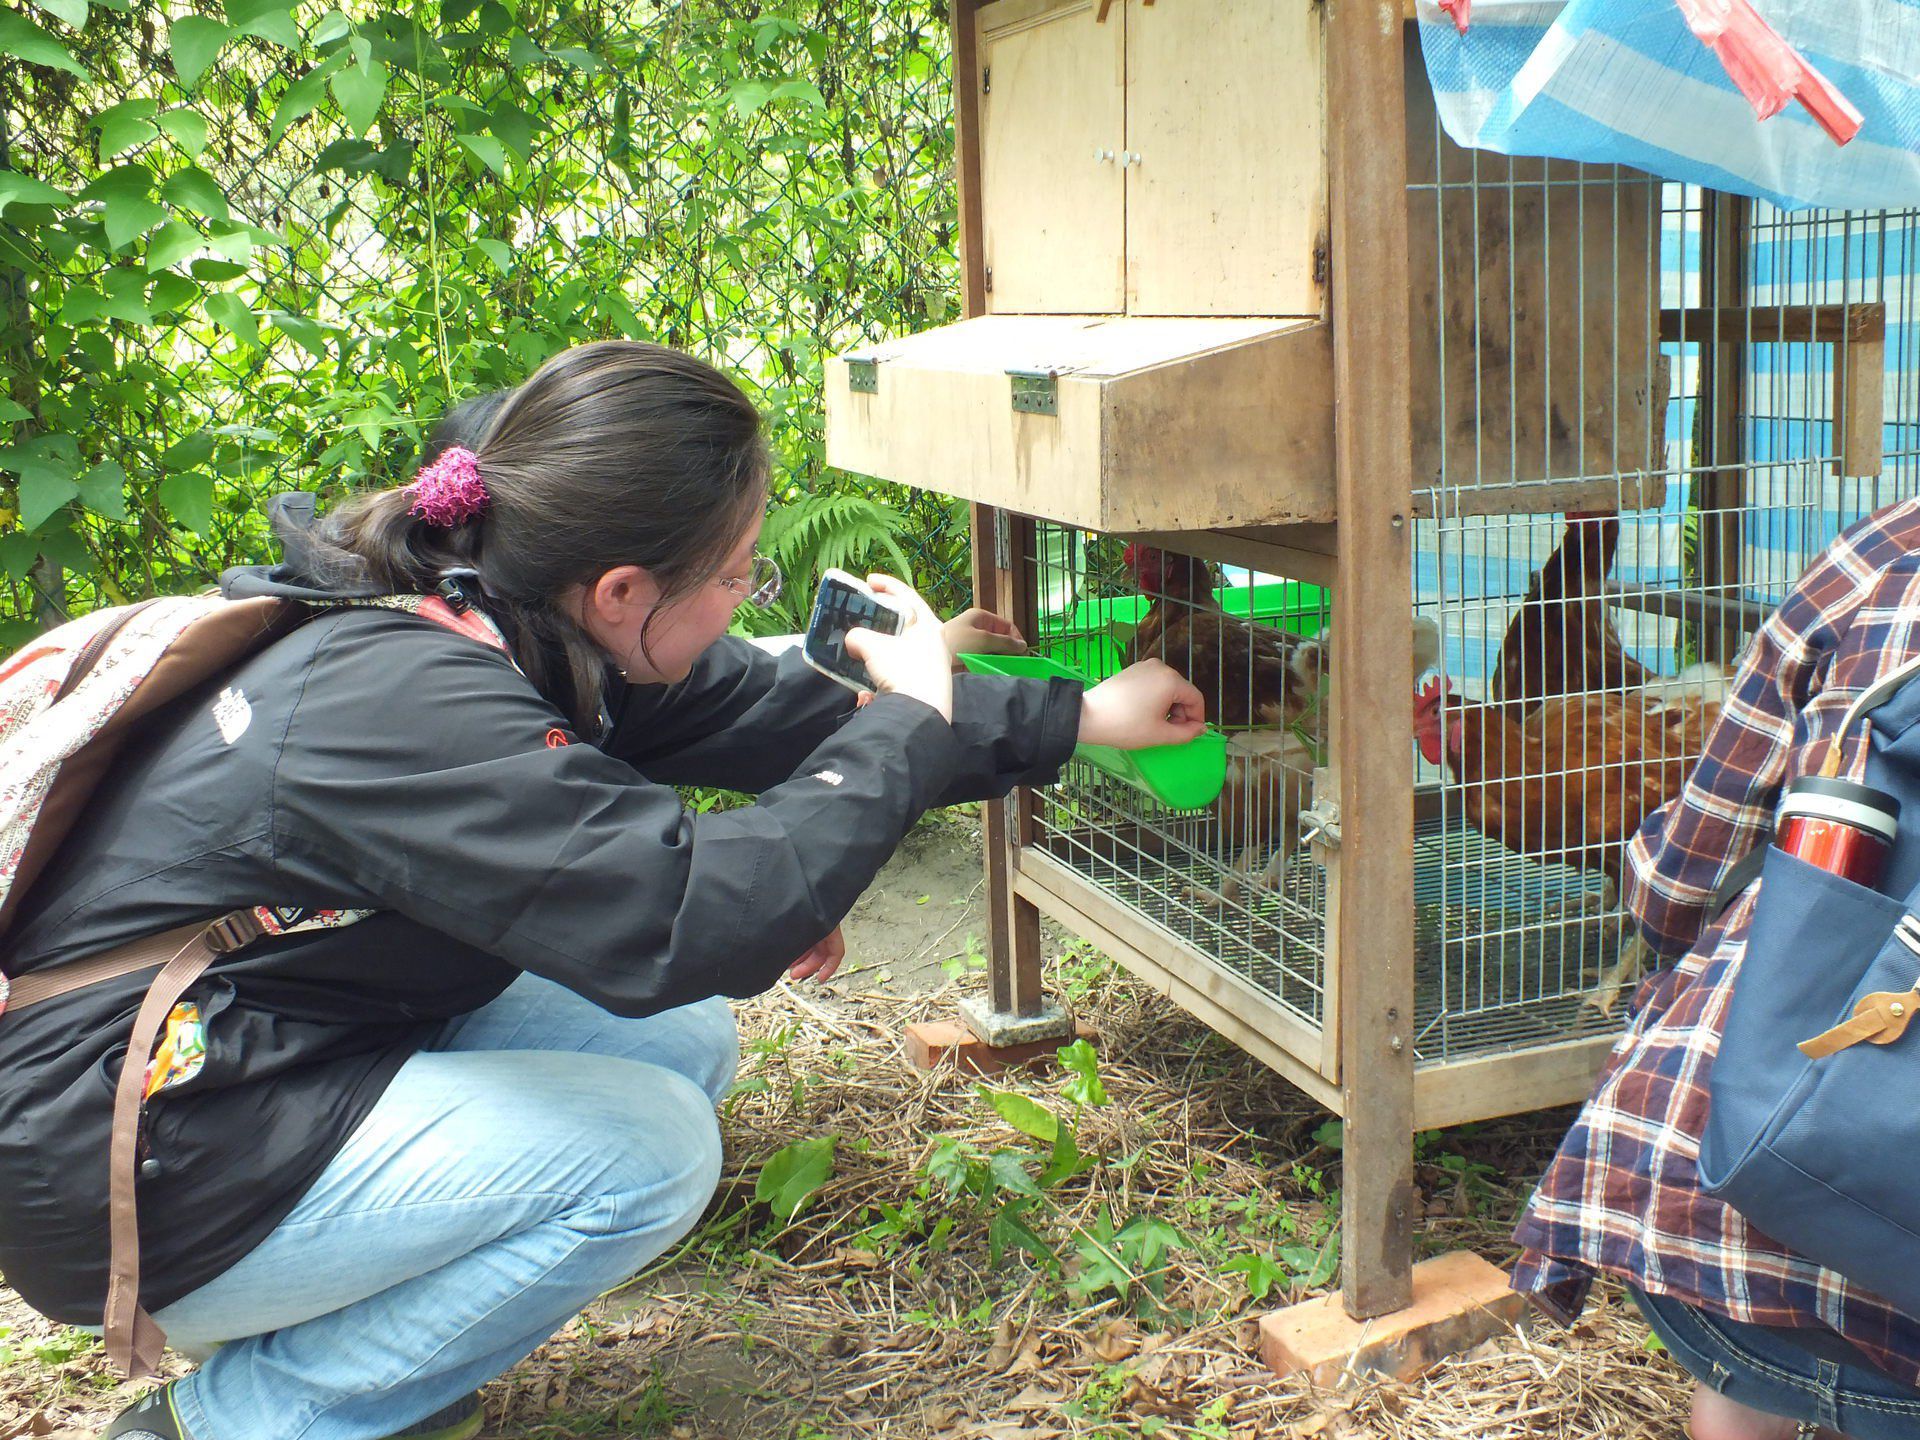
(263, 245)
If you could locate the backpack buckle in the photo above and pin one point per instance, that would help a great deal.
(231, 931)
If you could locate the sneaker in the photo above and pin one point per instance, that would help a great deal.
(152, 1417)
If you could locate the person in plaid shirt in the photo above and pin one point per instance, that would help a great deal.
(1776, 1342)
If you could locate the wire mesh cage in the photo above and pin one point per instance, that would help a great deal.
(1632, 436)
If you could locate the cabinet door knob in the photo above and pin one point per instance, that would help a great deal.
(1130, 157)
(1100, 154)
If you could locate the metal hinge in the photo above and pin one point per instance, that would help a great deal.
(986, 80)
(1002, 542)
(863, 377)
(989, 277)
(1035, 392)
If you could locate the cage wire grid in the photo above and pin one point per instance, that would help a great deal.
(1579, 351)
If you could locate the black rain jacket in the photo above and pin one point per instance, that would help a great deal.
(388, 763)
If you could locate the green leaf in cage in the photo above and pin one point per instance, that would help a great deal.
(495, 19)
(12, 411)
(584, 61)
(74, 12)
(194, 190)
(194, 41)
(18, 189)
(189, 499)
(360, 89)
(103, 490)
(231, 314)
(523, 53)
(188, 128)
(270, 20)
(488, 150)
(24, 40)
(171, 244)
(126, 126)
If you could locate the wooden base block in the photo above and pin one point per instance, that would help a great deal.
(932, 1042)
(1459, 1300)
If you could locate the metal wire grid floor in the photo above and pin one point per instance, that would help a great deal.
(1510, 953)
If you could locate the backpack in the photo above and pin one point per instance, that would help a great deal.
(1811, 1127)
(69, 702)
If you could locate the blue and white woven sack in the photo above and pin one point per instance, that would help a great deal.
(1627, 82)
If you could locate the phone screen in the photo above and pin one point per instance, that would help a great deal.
(841, 606)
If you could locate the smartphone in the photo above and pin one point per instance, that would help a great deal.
(845, 603)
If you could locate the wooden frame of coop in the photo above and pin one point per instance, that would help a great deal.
(1159, 222)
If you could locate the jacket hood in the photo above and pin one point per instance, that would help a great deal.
(292, 517)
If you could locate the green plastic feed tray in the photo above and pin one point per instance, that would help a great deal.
(1092, 636)
(1181, 777)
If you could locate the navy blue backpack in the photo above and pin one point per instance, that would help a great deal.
(1821, 1151)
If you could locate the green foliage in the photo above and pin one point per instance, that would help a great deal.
(793, 1174)
(265, 244)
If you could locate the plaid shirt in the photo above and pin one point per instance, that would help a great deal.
(1622, 1195)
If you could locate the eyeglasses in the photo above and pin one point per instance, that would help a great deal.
(760, 588)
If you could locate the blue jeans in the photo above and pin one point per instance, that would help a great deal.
(1780, 1375)
(539, 1154)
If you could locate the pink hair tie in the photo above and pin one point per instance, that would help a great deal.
(449, 490)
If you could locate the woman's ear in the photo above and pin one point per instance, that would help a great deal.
(623, 592)
(620, 598)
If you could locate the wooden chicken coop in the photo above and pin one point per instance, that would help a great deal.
(1248, 335)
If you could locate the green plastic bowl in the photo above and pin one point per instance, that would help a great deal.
(1181, 777)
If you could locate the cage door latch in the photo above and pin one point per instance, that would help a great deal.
(1320, 823)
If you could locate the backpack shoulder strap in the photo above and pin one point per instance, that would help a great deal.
(1733, 884)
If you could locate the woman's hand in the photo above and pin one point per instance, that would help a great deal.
(1149, 703)
(821, 960)
(915, 662)
(981, 632)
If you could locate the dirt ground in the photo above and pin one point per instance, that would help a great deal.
(884, 1307)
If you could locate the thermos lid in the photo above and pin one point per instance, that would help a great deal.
(1820, 797)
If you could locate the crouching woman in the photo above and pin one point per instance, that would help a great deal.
(466, 1082)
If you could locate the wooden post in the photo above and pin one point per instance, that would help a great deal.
(1013, 924)
(1371, 949)
(1723, 483)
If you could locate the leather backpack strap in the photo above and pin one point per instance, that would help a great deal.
(134, 1343)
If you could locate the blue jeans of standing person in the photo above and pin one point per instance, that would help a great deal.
(539, 1154)
(1811, 1376)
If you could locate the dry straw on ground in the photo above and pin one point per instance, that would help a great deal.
(754, 1331)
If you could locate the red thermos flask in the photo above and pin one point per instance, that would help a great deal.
(1842, 826)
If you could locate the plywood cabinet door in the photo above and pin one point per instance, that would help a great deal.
(1225, 158)
(1052, 126)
